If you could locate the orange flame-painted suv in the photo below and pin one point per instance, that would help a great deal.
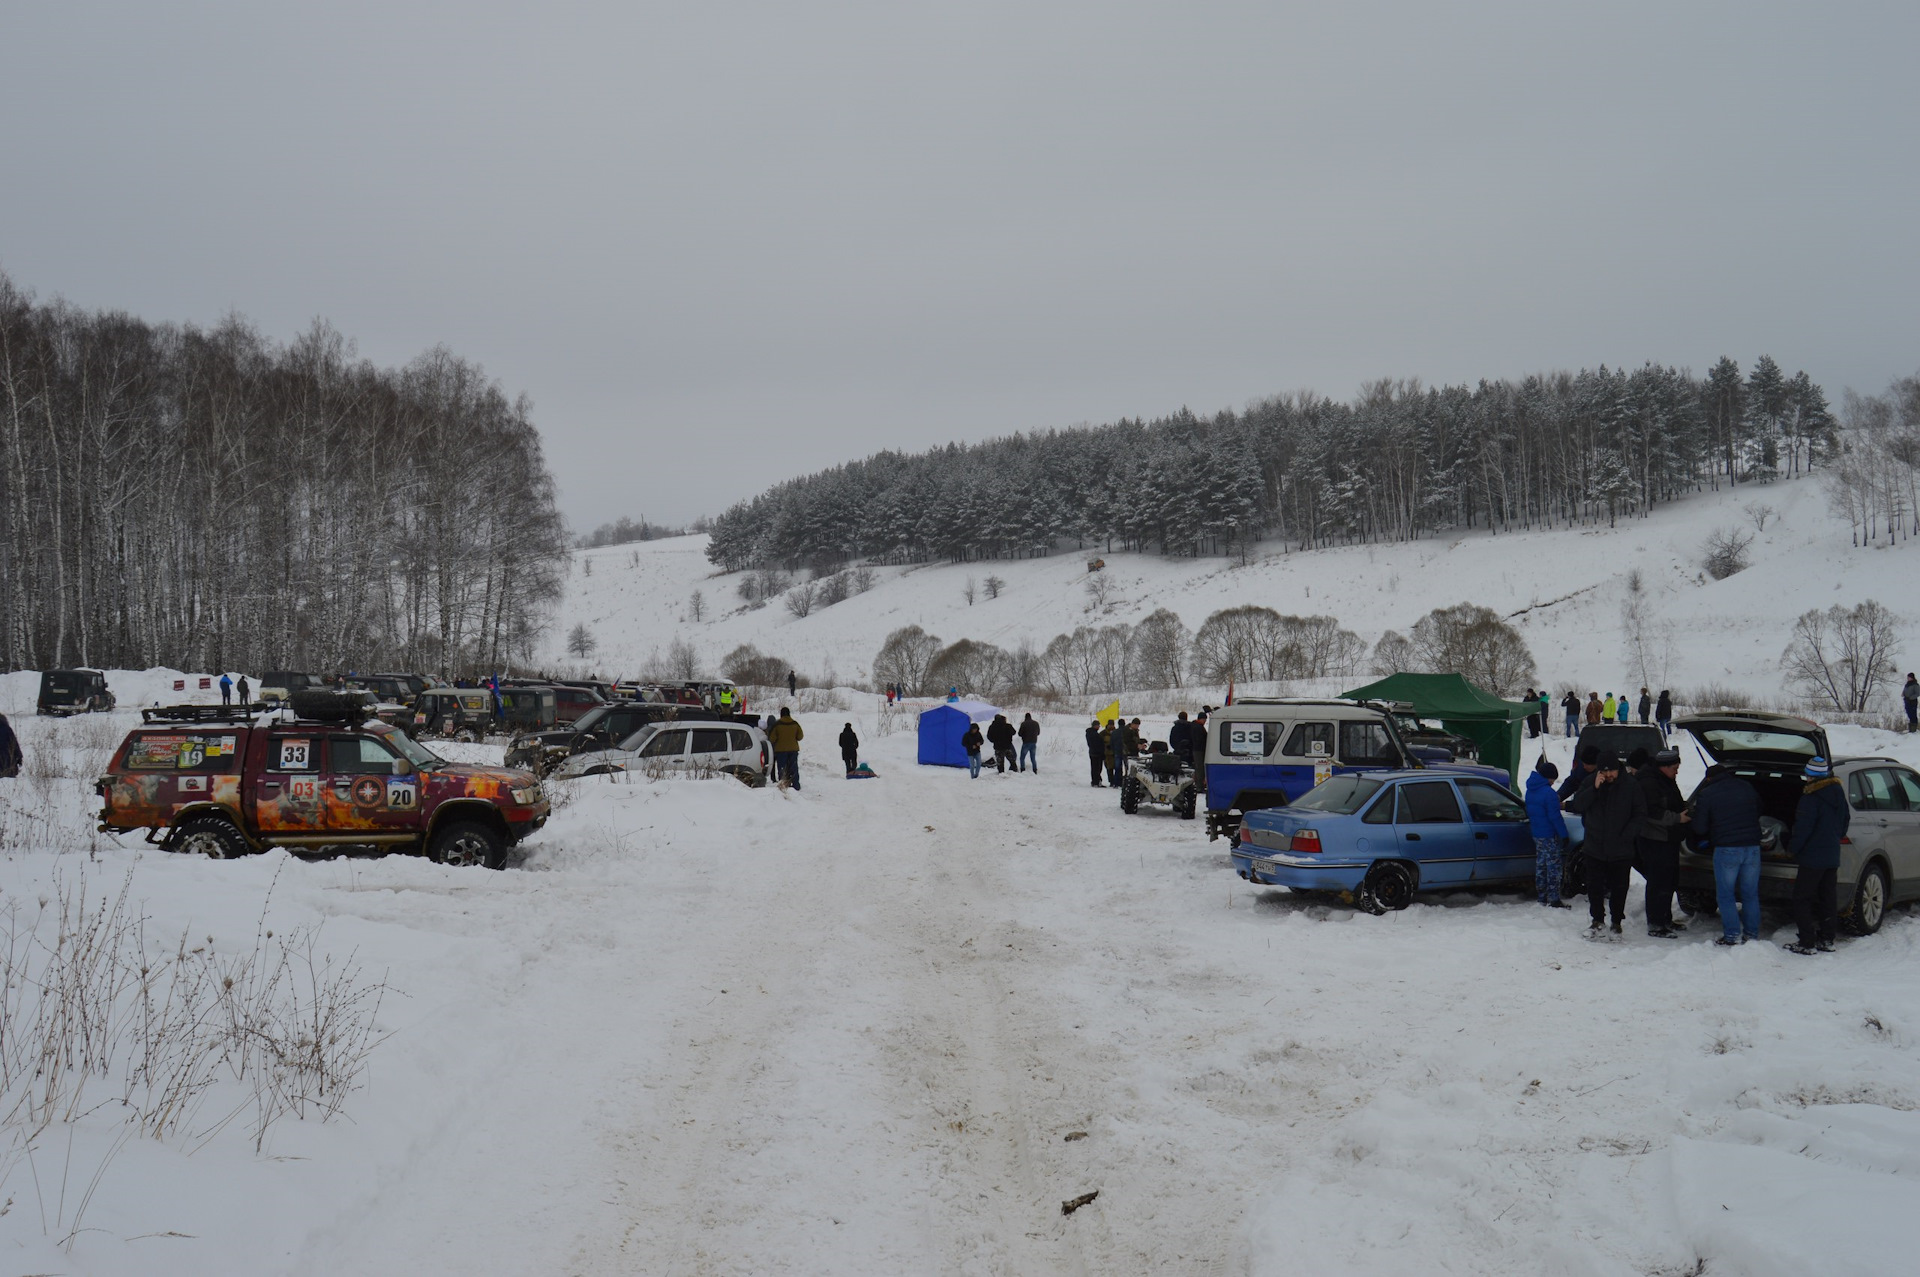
(226, 782)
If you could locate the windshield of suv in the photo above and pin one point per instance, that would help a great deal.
(592, 718)
(1342, 795)
(417, 754)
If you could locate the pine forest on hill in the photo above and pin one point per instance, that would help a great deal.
(208, 500)
(1399, 462)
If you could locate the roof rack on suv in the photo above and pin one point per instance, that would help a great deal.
(203, 713)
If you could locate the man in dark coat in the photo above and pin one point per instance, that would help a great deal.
(1578, 773)
(972, 742)
(1571, 704)
(1533, 720)
(849, 748)
(1029, 744)
(1910, 697)
(1000, 736)
(1615, 812)
(1819, 823)
(1096, 751)
(1199, 745)
(1180, 738)
(1659, 847)
(1726, 817)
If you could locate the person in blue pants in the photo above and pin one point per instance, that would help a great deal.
(1029, 745)
(1726, 817)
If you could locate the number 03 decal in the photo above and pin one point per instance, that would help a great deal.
(303, 789)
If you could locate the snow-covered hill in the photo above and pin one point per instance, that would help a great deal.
(1568, 588)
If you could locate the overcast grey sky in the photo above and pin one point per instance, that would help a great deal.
(720, 244)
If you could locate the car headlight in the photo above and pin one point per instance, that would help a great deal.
(529, 796)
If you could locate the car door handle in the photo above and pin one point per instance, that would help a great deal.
(269, 784)
(1413, 837)
(1477, 834)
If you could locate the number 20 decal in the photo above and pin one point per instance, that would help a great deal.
(401, 794)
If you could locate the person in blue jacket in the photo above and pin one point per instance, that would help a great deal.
(1549, 833)
(1819, 823)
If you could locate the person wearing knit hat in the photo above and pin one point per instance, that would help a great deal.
(1819, 824)
(1657, 847)
(1549, 830)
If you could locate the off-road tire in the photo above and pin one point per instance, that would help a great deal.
(1130, 795)
(1700, 904)
(749, 777)
(1573, 875)
(1185, 803)
(468, 842)
(214, 837)
(1869, 908)
(1389, 885)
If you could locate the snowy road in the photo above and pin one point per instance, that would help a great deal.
(710, 1030)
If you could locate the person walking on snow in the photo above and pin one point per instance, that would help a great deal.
(1819, 827)
(226, 690)
(1549, 833)
(1615, 812)
(1910, 697)
(793, 683)
(1571, 704)
(972, 741)
(1726, 817)
(849, 748)
(1646, 706)
(1000, 736)
(1029, 744)
(785, 736)
(246, 693)
(1663, 713)
(1096, 751)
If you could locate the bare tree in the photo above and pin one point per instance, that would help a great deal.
(834, 589)
(1473, 641)
(683, 663)
(580, 642)
(1759, 513)
(697, 606)
(904, 658)
(800, 599)
(1843, 656)
(1393, 654)
(1160, 646)
(1726, 552)
(862, 579)
(994, 585)
(1099, 592)
(967, 590)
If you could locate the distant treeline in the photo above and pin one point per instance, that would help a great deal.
(210, 500)
(623, 531)
(1399, 462)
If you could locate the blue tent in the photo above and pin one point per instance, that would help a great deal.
(942, 727)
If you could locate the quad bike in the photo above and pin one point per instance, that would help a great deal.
(1163, 779)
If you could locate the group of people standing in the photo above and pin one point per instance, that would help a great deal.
(1002, 734)
(1636, 817)
(1110, 745)
(1657, 711)
(226, 690)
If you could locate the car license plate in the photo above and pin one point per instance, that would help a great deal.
(1263, 866)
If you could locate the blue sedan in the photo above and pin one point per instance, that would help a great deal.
(1382, 836)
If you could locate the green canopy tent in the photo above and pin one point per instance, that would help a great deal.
(1490, 722)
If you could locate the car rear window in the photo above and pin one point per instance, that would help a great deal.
(183, 752)
(1342, 795)
(1427, 802)
(1723, 740)
(1874, 791)
(1248, 740)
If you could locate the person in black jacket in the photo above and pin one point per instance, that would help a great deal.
(1615, 812)
(1663, 713)
(1726, 817)
(1659, 847)
(1180, 738)
(1533, 720)
(1000, 736)
(1571, 704)
(1198, 743)
(1029, 744)
(849, 748)
(1096, 752)
(972, 742)
(1578, 773)
(1819, 823)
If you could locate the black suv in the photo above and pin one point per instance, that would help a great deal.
(64, 692)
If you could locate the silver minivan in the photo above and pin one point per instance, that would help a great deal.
(1879, 861)
(700, 748)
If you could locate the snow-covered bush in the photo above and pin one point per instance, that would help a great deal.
(1842, 657)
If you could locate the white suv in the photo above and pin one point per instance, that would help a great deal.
(701, 747)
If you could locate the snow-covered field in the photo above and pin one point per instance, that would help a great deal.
(861, 1028)
(633, 599)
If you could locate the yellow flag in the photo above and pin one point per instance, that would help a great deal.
(1110, 713)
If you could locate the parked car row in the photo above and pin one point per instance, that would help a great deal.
(1381, 835)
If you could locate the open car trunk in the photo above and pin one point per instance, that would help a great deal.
(1769, 751)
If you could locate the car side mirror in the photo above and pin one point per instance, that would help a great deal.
(401, 767)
